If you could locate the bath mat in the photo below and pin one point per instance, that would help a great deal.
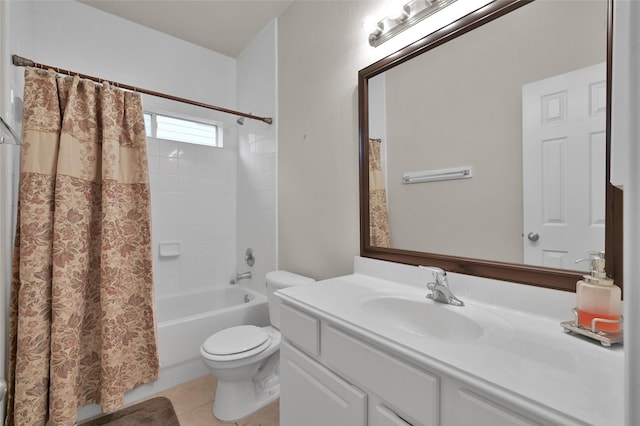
(156, 411)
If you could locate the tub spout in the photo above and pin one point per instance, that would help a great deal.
(242, 276)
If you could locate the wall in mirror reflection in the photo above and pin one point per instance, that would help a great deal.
(461, 104)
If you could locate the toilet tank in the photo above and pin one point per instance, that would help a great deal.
(275, 281)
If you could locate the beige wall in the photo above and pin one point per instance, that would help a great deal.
(460, 105)
(317, 140)
(320, 50)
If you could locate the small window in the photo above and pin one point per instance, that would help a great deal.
(181, 130)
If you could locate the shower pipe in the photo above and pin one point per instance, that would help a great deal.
(19, 61)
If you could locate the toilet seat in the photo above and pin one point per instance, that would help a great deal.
(236, 342)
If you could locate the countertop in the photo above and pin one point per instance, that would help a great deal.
(523, 352)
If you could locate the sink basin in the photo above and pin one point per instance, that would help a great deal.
(428, 318)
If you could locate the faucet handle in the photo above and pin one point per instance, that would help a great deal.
(434, 269)
(439, 274)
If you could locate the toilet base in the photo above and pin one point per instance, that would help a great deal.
(246, 385)
(236, 400)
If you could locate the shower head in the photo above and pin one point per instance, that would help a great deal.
(240, 121)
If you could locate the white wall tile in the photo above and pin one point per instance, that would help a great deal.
(168, 165)
(166, 200)
(170, 233)
(166, 274)
(168, 182)
(168, 149)
(152, 147)
(164, 217)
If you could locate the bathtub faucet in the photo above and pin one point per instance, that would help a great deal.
(242, 276)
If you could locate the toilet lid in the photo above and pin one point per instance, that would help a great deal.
(235, 340)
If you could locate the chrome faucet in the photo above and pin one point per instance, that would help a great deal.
(440, 291)
(242, 276)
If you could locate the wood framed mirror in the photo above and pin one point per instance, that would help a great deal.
(477, 64)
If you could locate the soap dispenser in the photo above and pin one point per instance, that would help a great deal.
(598, 297)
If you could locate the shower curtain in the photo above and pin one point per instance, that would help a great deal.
(379, 231)
(82, 324)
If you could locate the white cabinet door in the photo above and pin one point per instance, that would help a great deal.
(411, 393)
(473, 409)
(383, 416)
(311, 395)
(564, 142)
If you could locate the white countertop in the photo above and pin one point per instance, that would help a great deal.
(524, 351)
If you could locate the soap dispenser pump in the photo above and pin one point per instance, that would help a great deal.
(598, 302)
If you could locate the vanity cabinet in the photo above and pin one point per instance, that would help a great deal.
(406, 391)
(315, 396)
(472, 408)
(331, 375)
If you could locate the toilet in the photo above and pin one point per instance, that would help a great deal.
(245, 358)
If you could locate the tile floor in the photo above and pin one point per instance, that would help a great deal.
(193, 403)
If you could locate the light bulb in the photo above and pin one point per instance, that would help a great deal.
(371, 26)
(398, 10)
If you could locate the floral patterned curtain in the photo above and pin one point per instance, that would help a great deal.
(378, 213)
(82, 323)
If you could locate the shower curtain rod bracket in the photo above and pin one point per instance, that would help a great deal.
(20, 61)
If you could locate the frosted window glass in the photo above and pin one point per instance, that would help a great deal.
(180, 130)
(147, 125)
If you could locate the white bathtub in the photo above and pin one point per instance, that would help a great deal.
(185, 321)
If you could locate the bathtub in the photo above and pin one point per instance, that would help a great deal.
(185, 321)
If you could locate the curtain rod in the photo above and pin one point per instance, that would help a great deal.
(19, 61)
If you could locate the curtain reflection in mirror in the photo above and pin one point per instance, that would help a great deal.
(378, 212)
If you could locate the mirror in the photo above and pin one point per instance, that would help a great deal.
(506, 111)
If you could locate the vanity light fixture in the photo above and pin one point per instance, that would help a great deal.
(409, 14)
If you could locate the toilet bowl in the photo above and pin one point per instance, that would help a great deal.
(245, 359)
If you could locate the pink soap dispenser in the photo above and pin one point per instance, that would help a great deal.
(598, 298)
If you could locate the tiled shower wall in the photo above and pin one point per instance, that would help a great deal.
(9, 155)
(193, 198)
(217, 202)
